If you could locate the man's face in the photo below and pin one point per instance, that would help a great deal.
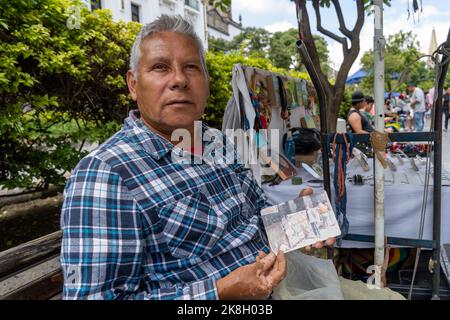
(410, 88)
(170, 85)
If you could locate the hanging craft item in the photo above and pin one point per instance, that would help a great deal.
(391, 164)
(259, 87)
(304, 91)
(341, 153)
(273, 89)
(283, 98)
(379, 142)
(293, 91)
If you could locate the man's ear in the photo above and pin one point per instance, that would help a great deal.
(131, 82)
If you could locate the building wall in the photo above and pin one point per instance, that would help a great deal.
(217, 34)
(150, 9)
(221, 25)
(233, 31)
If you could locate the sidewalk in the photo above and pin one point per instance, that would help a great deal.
(445, 146)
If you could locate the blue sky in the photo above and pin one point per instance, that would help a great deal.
(279, 15)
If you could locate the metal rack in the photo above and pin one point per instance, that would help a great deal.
(434, 136)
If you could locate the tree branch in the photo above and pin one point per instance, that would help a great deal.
(360, 21)
(308, 40)
(351, 54)
(324, 31)
(342, 26)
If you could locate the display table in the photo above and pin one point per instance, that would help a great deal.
(403, 195)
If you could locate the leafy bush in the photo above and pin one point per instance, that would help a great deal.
(59, 87)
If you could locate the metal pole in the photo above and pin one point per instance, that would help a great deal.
(437, 127)
(378, 43)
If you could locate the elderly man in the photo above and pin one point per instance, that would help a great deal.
(418, 105)
(139, 225)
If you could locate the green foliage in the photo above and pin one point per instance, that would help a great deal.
(220, 66)
(221, 4)
(218, 44)
(346, 104)
(401, 58)
(59, 87)
(252, 41)
(280, 47)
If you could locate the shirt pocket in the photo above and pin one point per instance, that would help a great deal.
(190, 226)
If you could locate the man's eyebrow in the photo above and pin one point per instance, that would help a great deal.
(158, 59)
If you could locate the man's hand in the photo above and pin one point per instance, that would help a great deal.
(320, 244)
(254, 281)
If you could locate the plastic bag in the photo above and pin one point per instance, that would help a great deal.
(308, 278)
(358, 290)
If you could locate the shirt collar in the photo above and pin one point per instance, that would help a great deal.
(156, 145)
(140, 134)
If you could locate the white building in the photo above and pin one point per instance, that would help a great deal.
(221, 24)
(145, 11)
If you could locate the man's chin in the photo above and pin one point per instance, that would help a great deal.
(180, 124)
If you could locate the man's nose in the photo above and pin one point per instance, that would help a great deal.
(179, 79)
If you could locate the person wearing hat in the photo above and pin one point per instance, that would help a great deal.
(358, 123)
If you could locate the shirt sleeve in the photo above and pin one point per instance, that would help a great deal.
(102, 244)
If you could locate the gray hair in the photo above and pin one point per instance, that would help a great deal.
(166, 23)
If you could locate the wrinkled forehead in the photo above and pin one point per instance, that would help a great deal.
(170, 41)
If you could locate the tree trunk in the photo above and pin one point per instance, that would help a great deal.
(24, 197)
(31, 208)
(329, 96)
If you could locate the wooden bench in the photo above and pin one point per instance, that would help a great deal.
(32, 271)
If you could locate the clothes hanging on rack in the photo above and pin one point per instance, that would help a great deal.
(341, 154)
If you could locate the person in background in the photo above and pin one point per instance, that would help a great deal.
(418, 105)
(429, 98)
(358, 123)
(446, 108)
(369, 110)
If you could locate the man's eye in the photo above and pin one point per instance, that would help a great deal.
(192, 67)
(159, 67)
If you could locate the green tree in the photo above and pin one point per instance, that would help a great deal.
(401, 62)
(330, 94)
(59, 87)
(252, 41)
(218, 44)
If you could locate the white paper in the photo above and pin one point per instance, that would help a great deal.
(300, 222)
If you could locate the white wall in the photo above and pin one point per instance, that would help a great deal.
(151, 9)
(233, 31)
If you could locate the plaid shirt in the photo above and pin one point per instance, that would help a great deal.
(137, 225)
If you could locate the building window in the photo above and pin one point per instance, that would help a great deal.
(122, 4)
(135, 12)
(96, 4)
(192, 3)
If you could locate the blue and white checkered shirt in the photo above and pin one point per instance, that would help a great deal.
(137, 225)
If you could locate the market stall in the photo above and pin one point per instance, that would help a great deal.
(403, 198)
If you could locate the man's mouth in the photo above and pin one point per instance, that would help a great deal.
(179, 102)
